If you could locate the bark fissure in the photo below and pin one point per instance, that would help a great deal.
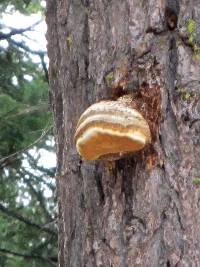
(98, 179)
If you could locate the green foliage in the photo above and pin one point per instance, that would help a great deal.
(191, 28)
(69, 41)
(196, 180)
(109, 78)
(24, 106)
(15, 234)
(192, 32)
(185, 94)
(24, 6)
(8, 105)
(27, 229)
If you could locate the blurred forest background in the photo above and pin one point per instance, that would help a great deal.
(28, 234)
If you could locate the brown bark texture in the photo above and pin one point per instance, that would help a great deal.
(141, 210)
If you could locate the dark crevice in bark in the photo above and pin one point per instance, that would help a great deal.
(173, 60)
(141, 221)
(128, 215)
(82, 202)
(98, 179)
(170, 112)
(163, 216)
(85, 43)
(176, 200)
(171, 13)
(114, 175)
(179, 218)
(155, 32)
(174, 154)
(85, 3)
(128, 167)
(171, 18)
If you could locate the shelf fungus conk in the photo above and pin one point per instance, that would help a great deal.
(110, 128)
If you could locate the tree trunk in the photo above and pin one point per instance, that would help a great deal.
(141, 210)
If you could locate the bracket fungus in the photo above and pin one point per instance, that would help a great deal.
(110, 129)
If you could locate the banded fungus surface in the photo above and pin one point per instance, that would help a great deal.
(111, 128)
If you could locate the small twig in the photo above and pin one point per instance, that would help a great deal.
(41, 54)
(19, 217)
(38, 195)
(18, 31)
(27, 256)
(25, 47)
(13, 156)
(28, 110)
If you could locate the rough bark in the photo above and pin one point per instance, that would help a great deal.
(142, 210)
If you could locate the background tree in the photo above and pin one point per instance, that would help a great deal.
(142, 210)
(27, 210)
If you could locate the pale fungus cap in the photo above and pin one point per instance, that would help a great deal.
(110, 128)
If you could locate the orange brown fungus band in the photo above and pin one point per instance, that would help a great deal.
(111, 128)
